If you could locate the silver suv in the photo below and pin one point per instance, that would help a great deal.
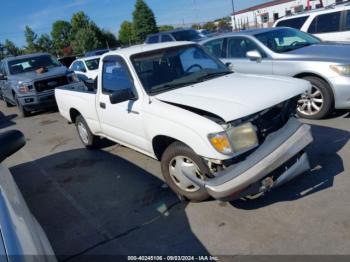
(290, 52)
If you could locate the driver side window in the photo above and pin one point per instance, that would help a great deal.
(237, 47)
(115, 75)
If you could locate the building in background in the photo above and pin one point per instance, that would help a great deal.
(264, 15)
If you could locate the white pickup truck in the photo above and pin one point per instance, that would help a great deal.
(217, 133)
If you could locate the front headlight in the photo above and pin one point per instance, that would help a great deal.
(236, 139)
(343, 70)
(25, 88)
(243, 137)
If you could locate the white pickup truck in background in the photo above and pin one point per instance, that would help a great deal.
(216, 133)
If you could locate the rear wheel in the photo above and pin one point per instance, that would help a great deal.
(179, 159)
(87, 138)
(317, 102)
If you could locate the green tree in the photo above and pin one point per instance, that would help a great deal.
(126, 34)
(209, 26)
(109, 39)
(144, 22)
(10, 49)
(85, 40)
(79, 21)
(224, 24)
(61, 34)
(163, 28)
(196, 26)
(31, 38)
(44, 44)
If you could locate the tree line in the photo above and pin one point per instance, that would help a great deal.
(75, 37)
(81, 34)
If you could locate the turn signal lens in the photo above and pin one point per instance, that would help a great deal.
(221, 143)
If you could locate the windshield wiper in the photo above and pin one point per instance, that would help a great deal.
(212, 75)
(298, 46)
(170, 86)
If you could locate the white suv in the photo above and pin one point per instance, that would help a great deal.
(328, 24)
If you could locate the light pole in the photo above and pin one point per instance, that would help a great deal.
(234, 16)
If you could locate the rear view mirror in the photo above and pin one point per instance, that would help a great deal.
(254, 55)
(122, 96)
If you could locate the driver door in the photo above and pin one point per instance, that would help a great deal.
(237, 48)
(122, 121)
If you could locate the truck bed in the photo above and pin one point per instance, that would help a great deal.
(75, 98)
(78, 87)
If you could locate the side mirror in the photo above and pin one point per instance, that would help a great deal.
(229, 66)
(254, 55)
(122, 96)
(3, 77)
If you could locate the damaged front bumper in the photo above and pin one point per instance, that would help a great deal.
(279, 148)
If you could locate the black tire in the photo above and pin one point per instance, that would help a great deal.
(328, 98)
(92, 140)
(179, 149)
(8, 104)
(22, 110)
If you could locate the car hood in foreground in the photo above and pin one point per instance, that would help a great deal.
(325, 51)
(236, 95)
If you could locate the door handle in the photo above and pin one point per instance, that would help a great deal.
(102, 105)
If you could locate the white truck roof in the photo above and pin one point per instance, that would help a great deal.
(129, 51)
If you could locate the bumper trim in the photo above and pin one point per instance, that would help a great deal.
(277, 149)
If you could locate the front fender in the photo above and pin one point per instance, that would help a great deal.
(189, 128)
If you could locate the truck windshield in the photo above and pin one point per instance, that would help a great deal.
(92, 64)
(286, 39)
(24, 65)
(167, 69)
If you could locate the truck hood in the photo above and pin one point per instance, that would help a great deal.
(325, 51)
(235, 96)
(34, 76)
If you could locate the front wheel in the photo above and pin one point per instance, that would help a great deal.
(179, 159)
(87, 138)
(22, 110)
(317, 102)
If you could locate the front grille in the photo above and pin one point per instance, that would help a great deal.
(271, 119)
(274, 118)
(51, 83)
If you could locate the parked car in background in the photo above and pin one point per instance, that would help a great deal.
(28, 81)
(67, 60)
(86, 68)
(205, 33)
(216, 133)
(97, 52)
(174, 35)
(21, 236)
(290, 52)
(328, 24)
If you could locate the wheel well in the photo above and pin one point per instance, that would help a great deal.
(302, 75)
(160, 143)
(73, 113)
